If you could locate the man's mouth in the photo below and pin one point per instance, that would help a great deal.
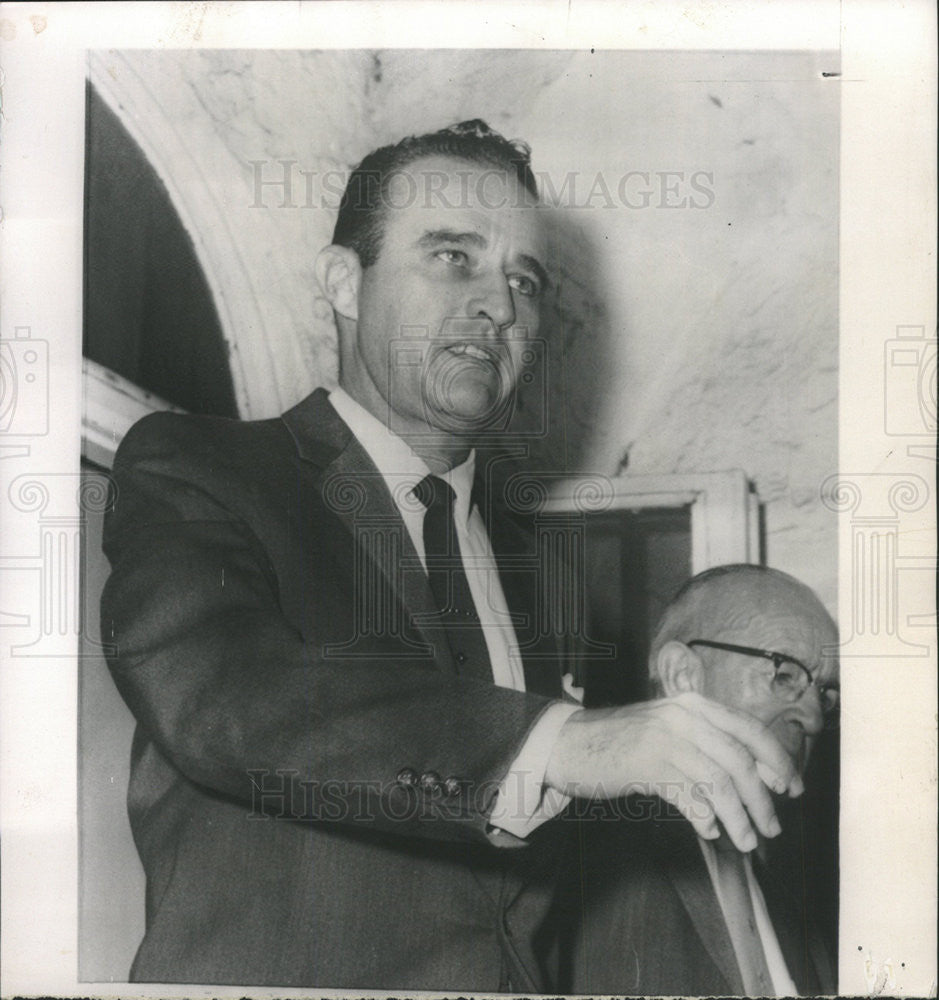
(473, 351)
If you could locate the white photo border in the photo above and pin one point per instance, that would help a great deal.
(887, 250)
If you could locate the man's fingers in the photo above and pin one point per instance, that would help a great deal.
(771, 780)
(709, 761)
(712, 783)
(687, 798)
(728, 766)
(774, 765)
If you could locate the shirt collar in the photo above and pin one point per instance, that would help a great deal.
(394, 458)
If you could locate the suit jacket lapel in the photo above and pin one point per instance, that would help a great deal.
(689, 874)
(355, 492)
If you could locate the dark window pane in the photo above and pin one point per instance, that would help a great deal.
(149, 314)
(635, 561)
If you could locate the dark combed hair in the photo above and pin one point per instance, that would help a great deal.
(360, 224)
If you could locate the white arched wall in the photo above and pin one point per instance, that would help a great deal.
(190, 114)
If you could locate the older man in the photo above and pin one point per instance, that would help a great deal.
(664, 911)
(349, 712)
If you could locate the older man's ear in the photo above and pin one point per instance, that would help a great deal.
(338, 273)
(679, 669)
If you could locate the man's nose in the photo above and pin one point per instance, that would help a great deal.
(492, 298)
(809, 708)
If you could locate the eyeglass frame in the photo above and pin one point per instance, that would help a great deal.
(829, 712)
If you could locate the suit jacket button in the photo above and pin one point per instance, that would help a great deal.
(407, 776)
(430, 782)
(461, 658)
(452, 786)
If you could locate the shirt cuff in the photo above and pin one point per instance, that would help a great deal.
(523, 802)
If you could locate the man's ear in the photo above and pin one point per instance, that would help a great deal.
(339, 273)
(679, 668)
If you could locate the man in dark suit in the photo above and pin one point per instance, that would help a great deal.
(352, 742)
(663, 911)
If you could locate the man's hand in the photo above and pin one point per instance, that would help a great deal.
(710, 762)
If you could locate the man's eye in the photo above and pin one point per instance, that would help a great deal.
(787, 676)
(456, 257)
(524, 285)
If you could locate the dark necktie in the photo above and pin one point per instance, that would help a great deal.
(456, 611)
(741, 920)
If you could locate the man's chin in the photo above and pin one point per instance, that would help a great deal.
(466, 394)
(468, 409)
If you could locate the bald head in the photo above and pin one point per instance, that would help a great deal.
(750, 606)
(727, 601)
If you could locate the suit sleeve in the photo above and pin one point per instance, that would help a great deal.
(240, 703)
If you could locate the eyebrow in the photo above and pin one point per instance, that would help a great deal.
(533, 264)
(434, 237)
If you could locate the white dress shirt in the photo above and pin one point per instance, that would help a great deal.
(523, 803)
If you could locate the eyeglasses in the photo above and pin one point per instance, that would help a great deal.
(791, 678)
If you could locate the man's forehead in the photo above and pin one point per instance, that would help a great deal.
(783, 617)
(806, 634)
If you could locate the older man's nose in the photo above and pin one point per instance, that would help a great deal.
(493, 299)
(809, 707)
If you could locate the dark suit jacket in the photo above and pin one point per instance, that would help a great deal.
(289, 794)
(643, 917)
